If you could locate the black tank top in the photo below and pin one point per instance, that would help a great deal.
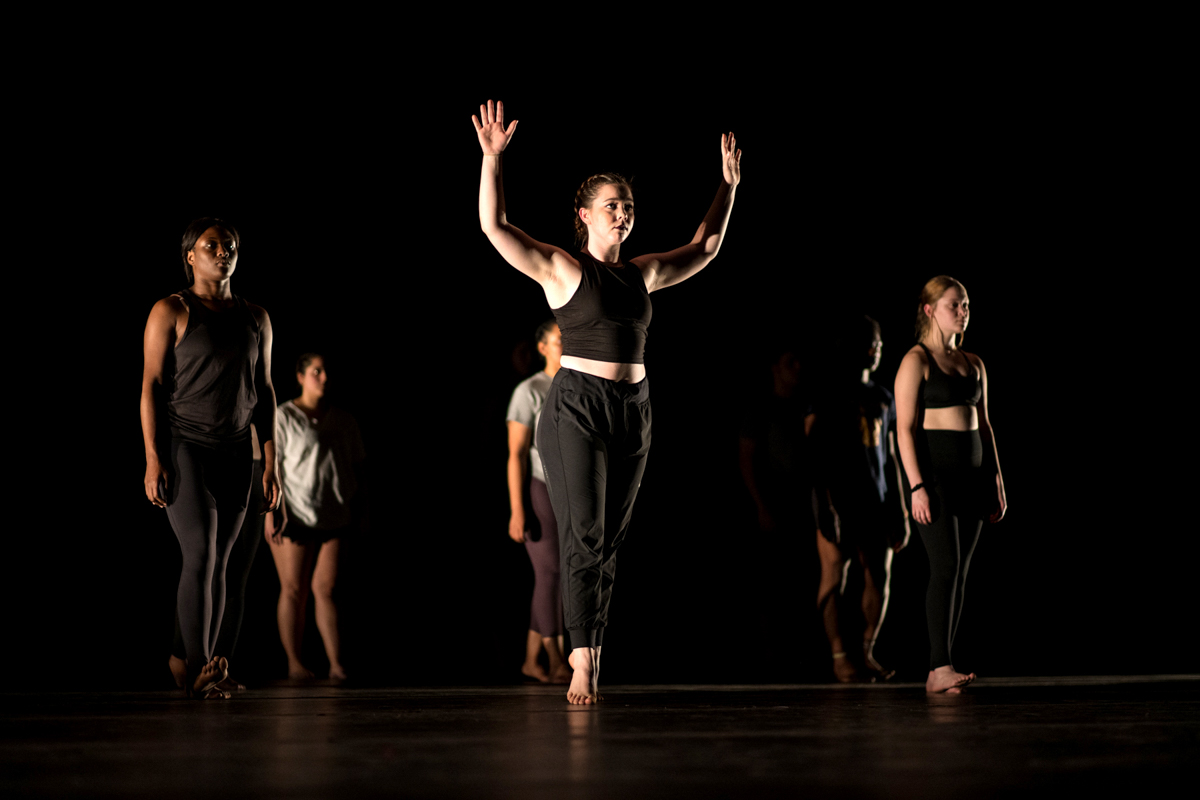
(608, 316)
(943, 390)
(212, 394)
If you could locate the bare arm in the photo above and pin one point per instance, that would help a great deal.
(158, 341)
(661, 270)
(908, 386)
(989, 439)
(520, 438)
(556, 271)
(264, 410)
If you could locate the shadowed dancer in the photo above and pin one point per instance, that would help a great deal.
(861, 526)
(527, 490)
(950, 462)
(594, 434)
(207, 374)
(321, 460)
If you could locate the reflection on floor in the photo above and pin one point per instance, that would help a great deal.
(1002, 736)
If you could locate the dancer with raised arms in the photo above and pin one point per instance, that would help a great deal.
(594, 434)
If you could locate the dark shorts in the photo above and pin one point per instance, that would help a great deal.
(302, 534)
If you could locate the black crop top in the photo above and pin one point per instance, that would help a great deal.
(608, 316)
(943, 390)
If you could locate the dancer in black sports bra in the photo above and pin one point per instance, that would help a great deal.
(950, 463)
(594, 434)
(206, 377)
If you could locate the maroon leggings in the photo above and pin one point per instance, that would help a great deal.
(545, 613)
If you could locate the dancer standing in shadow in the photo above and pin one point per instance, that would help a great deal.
(595, 430)
(950, 464)
(861, 520)
(538, 532)
(206, 376)
(321, 461)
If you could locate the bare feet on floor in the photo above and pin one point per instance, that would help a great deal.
(337, 673)
(299, 672)
(535, 671)
(946, 679)
(844, 670)
(561, 676)
(879, 673)
(585, 683)
(206, 684)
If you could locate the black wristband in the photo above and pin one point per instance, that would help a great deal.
(918, 486)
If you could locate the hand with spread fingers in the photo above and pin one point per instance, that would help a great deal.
(731, 159)
(489, 126)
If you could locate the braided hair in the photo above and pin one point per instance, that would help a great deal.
(587, 195)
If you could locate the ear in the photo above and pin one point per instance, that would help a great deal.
(192, 257)
(928, 310)
(585, 215)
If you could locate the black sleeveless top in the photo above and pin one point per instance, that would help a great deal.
(943, 390)
(608, 316)
(212, 395)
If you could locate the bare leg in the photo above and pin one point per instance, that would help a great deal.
(531, 668)
(294, 563)
(585, 683)
(559, 671)
(324, 582)
(833, 572)
(877, 572)
(178, 669)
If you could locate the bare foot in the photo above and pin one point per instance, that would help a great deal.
(336, 673)
(843, 670)
(211, 674)
(585, 683)
(299, 672)
(945, 679)
(535, 671)
(178, 669)
(231, 685)
(561, 676)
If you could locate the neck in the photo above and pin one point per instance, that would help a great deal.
(309, 402)
(610, 254)
(935, 339)
(552, 369)
(207, 289)
(866, 375)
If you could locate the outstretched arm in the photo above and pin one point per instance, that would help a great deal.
(661, 270)
(542, 262)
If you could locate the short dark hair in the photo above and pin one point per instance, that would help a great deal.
(195, 230)
(303, 361)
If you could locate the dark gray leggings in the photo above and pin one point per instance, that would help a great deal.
(541, 542)
(207, 494)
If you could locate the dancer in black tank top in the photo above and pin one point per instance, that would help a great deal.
(595, 429)
(207, 376)
(950, 464)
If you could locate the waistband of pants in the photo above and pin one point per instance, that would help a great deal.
(582, 382)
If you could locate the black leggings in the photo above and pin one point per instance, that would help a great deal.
(593, 437)
(207, 494)
(956, 500)
(237, 575)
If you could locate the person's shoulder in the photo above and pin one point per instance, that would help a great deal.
(974, 359)
(258, 312)
(172, 305)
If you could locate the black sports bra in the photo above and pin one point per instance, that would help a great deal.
(607, 317)
(942, 390)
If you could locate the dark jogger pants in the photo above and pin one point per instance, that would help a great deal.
(593, 437)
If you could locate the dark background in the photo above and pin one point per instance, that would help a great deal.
(353, 183)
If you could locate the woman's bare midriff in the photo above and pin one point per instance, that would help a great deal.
(954, 418)
(609, 370)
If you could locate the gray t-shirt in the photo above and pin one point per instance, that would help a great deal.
(525, 408)
(316, 465)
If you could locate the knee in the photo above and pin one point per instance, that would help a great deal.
(293, 591)
(323, 588)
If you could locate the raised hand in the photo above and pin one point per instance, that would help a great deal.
(489, 126)
(731, 159)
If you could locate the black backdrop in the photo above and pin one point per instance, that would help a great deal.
(356, 200)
